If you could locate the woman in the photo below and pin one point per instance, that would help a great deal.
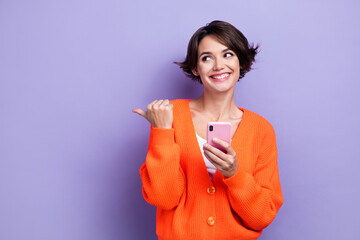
(200, 191)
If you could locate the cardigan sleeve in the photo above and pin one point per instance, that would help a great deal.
(257, 197)
(162, 176)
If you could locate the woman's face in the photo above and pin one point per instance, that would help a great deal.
(218, 66)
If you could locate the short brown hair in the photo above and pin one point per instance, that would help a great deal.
(226, 34)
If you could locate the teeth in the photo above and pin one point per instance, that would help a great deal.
(225, 75)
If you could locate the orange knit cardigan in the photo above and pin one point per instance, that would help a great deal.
(192, 206)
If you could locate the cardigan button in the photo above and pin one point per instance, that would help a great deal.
(211, 221)
(211, 190)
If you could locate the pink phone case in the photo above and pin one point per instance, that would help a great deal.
(221, 130)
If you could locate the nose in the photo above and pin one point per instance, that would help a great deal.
(218, 65)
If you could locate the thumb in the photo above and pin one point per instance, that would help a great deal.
(140, 112)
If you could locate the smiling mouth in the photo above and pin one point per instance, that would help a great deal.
(220, 77)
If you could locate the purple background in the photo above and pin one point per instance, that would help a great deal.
(71, 71)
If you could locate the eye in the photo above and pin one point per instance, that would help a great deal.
(228, 54)
(206, 58)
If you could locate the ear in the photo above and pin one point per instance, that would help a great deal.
(194, 71)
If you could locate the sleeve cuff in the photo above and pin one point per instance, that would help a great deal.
(237, 180)
(161, 136)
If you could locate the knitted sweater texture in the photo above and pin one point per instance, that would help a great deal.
(192, 206)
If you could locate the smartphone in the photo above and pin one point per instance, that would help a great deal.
(220, 130)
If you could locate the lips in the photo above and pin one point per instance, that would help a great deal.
(220, 77)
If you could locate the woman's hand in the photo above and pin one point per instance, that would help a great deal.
(159, 113)
(226, 163)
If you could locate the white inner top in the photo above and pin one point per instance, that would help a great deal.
(210, 167)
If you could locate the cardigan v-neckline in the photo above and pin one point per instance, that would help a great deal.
(234, 140)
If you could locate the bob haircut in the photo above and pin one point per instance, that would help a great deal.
(227, 35)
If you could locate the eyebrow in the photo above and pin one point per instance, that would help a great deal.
(203, 53)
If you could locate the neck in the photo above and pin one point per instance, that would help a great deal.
(219, 106)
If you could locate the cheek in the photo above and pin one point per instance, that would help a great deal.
(203, 68)
(236, 68)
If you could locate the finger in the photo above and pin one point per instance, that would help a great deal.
(150, 105)
(158, 103)
(140, 112)
(224, 168)
(169, 106)
(166, 105)
(165, 102)
(225, 145)
(213, 159)
(221, 164)
(215, 150)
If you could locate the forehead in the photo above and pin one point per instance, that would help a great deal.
(211, 44)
